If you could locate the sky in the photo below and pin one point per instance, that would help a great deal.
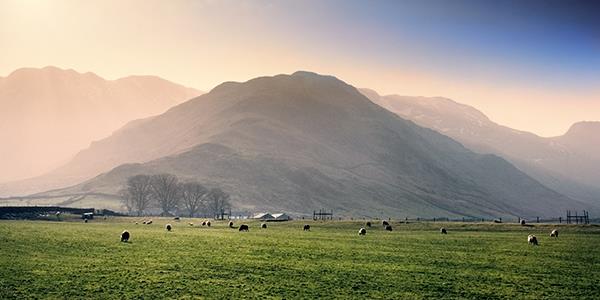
(530, 65)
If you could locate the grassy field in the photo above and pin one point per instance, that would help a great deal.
(41, 259)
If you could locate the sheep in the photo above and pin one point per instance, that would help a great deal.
(168, 227)
(204, 223)
(443, 230)
(136, 223)
(263, 225)
(85, 220)
(554, 233)
(149, 222)
(388, 228)
(522, 222)
(230, 224)
(144, 222)
(191, 224)
(385, 223)
(208, 223)
(497, 221)
(362, 231)
(368, 224)
(125, 236)
(306, 227)
(243, 227)
(177, 218)
(532, 240)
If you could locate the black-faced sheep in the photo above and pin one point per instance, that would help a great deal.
(368, 224)
(554, 233)
(532, 240)
(168, 227)
(443, 230)
(191, 224)
(204, 223)
(230, 224)
(362, 231)
(385, 223)
(522, 222)
(125, 236)
(388, 228)
(244, 227)
(306, 227)
(208, 223)
(263, 225)
(149, 222)
(85, 220)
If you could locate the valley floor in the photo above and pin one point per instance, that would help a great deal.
(40, 259)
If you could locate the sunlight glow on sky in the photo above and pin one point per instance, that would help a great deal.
(530, 65)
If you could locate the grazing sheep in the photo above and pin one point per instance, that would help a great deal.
(85, 221)
(125, 236)
(177, 218)
(385, 223)
(497, 221)
(368, 224)
(204, 223)
(362, 231)
(243, 227)
(148, 222)
(306, 227)
(191, 224)
(522, 222)
(136, 223)
(263, 225)
(144, 222)
(443, 230)
(168, 227)
(230, 224)
(532, 240)
(554, 233)
(208, 223)
(388, 228)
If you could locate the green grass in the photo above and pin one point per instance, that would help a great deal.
(40, 259)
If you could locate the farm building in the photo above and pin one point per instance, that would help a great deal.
(263, 217)
(271, 217)
(281, 217)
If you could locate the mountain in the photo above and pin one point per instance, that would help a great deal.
(305, 141)
(48, 114)
(569, 164)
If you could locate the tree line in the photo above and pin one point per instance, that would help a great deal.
(165, 192)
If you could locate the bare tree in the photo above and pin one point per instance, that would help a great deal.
(165, 191)
(136, 194)
(218, 202)
(193, 195)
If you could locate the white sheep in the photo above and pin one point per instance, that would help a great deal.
(532, 240)
(362, 231)
(554, 233)
(168, 227)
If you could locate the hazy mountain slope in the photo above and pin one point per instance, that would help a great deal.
(304, 141)
(569, 164)
(48, 114)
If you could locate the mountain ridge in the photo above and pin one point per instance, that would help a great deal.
(297, 142)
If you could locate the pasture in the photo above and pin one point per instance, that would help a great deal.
(72, 259)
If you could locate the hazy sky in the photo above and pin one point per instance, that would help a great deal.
(531, 65)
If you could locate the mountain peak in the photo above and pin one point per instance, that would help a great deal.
(584, 128)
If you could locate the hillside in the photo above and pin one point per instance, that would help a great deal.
(304, 141)
(569, 164)
(48, 114)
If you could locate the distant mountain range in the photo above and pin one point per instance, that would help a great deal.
(305, 141)
(47, 115)
(569, 164)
